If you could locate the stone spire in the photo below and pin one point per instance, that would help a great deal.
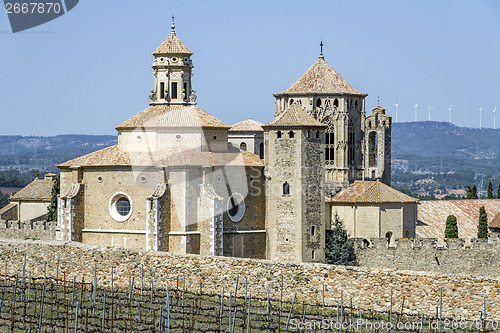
(172, 71)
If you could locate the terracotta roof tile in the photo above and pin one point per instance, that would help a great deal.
(249, 125)
(495, 222)
(321, 78)
(172, 45)
(432, 216)
(173, 116)
(37, 189)
(371, 192)
(174, 156)
(294, 116)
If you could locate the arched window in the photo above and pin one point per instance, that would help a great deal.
(330, 145)
(356, 103)
(261, 150)
(351, 142)
(336, 102)
(318, 102)
(278, 134)
(291, 101)
(286, 188)
(291, 134)
(372, 149)
(313, 255)
(317, 134)
(373, 174)
(389, 238)
(313, 230)
(243, 146)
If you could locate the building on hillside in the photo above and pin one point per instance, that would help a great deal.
(30, 204)
(432, 216)
(180, 180)
(371, 209)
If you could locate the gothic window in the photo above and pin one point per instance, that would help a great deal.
(278, 134)
(356, 103)
(291, 101)
(351, 141)
(336, 102)
(243, 146)
(286, 188)
(174, 90)
(318, 102)
(291, 134)
(330, 145)
(261, 150)
(162, 89)
(372, 149)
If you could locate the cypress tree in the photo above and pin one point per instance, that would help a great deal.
(339, 249)
(498, 191)
(451, 230)
(52, 210)
(490, 191)
(482, 227)
(471, 192)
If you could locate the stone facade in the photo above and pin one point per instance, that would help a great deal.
(366, 288)
(480, 258)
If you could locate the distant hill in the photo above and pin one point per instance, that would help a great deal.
(43, 153)
(438, 157)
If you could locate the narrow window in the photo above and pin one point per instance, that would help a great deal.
(317, 134)
(286, 188)
(185, 87)
(313, 230)
(279, 134)
(291, 101)
(318, 102)
(261, 150)
(373, 174)
(336, 102)
(291, 134)
(174, 90)
(162, 89)
(243, 146)
(313, 255)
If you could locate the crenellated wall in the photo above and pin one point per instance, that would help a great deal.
(23, 230)
(366, 288)
(479, 258)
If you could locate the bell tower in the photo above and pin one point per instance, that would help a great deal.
(172, 71)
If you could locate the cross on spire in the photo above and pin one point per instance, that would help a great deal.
(378, 100)
(173, 25)
(321, 45)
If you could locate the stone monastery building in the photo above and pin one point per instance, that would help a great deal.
(180, 180)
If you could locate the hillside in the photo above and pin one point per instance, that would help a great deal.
(437, 158)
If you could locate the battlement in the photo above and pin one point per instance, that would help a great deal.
(457, 256)
(29, 229)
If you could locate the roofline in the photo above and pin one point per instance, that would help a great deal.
(293, 126)
(369, 202)
(118, 128)
(284, 93)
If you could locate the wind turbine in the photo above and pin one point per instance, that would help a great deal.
(416, 111)
(495, 117)
(430, 108)
(396, 105)
(450, 109)
(480, 117)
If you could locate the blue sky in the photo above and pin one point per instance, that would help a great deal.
(90, 69)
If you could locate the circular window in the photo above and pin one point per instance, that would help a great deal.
(143, 179)
(174, 59)
(215, 137)
(139, 138)
(162, 60)
(120, 207)
(99, 179)
(235, 207)
(178, 137)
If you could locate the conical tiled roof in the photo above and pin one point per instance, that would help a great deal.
(172, 45)
(321, 78)
(249, 125)
(187, 116)
(294, 116)
(371, 192)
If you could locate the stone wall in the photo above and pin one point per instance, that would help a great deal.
(24, 230)
(367, 288)
(480, 258)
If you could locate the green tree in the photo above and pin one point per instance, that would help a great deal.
(4, 199)
(498, 191)
(471, 192)
(52, 210)
(490, 191)
(482, 227)
(451, 230)
(339, 249)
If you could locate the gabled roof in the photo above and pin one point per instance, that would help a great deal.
(294, 116)
(321, 78)
(495, 222)
(249, 125)
(38, 189)
(172, 45)
(371, 192)
(173, 156)
(165, 116)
